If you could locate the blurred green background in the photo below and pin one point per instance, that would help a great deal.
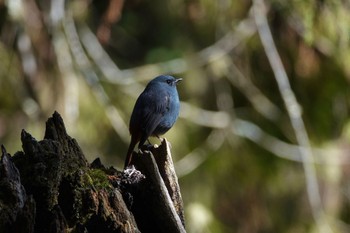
(235, 150)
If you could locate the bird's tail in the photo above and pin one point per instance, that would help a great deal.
(130, 152)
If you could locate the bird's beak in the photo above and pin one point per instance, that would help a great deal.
(178, 80)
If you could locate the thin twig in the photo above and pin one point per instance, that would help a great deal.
(197, 156)
(218, 50)
(284, 150)
(259, 101)
(294, 113)
(92, 79)
(246, 129)
(69, 76)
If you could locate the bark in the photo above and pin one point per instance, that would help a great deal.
(50, 187)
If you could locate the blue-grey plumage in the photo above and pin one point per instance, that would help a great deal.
(155, 111)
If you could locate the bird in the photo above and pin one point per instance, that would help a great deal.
(155, 112)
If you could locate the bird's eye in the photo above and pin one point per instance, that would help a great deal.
(168, 81)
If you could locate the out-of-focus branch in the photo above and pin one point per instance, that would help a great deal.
(65, 62)
(259, 101)
(69, 77)
(245, 29)
(57, 12)
(100, 57)
(218, 50)
(92, 79)
(203, 117)
(254, 133)
(294, 113)
(197, 156)
(30, 69)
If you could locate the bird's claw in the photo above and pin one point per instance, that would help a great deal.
(146, 147)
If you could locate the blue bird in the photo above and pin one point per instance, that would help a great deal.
(155, 112)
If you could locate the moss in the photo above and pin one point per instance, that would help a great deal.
(97, 178)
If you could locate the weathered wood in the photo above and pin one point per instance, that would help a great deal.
(50, 187)
(166, 168)
(157, 201)
(17, 209)
(66, 192)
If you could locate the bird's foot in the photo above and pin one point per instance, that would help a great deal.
(161, 141)
(146, 147)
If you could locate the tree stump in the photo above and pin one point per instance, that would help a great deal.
(50, 187)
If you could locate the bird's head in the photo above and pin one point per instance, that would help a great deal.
(166, 79)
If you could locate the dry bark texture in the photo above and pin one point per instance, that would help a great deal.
(50, 187)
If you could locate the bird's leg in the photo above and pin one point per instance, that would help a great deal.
(160, 138)
(146, 147)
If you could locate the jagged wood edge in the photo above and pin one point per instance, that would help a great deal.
(163, 205)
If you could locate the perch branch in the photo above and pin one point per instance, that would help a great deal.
(157, 198)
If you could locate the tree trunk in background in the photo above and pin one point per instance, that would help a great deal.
(50, 187)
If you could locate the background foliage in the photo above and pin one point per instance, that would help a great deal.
(242, 167)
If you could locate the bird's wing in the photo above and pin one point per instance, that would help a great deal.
(148, 112)
(155, 113)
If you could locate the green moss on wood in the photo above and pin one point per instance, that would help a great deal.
(98, 179)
